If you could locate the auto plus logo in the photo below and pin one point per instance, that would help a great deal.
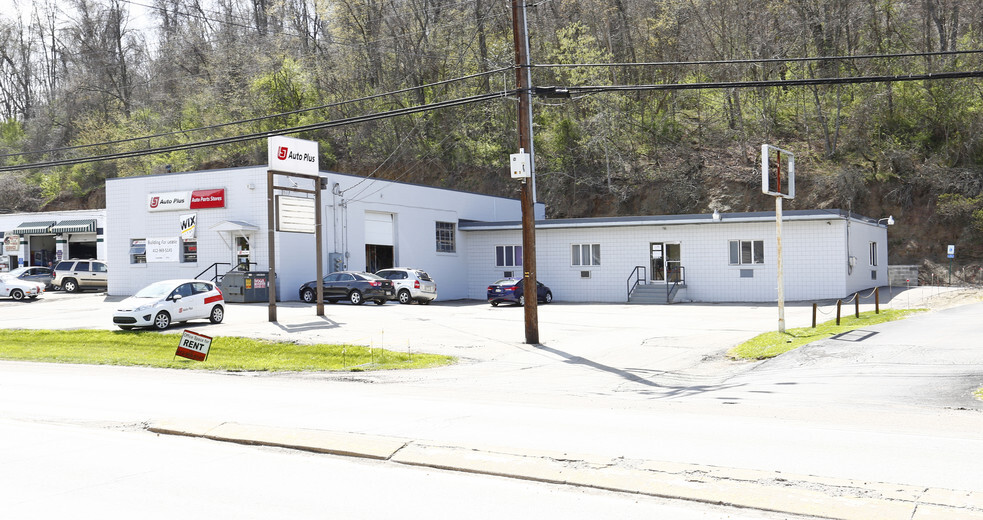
(282, 153)
(154, 202)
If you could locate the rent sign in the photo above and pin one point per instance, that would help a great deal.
(194, 346)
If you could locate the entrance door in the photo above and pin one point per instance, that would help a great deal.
(664, 261)
(378, 257)
(380, 240)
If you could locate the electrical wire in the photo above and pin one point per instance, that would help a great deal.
(261, 135)
(757, 60)
(256, 119)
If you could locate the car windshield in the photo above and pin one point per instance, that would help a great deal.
(17, 272)
(424, 276)
(369, 276)
(155, 290)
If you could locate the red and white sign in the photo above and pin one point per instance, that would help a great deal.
(194, 346)
(184, 200)
(289, 155)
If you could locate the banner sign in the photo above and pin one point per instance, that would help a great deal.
(188, 224)
(289, 155)
(163, 249)
(184, 200)
(194, 346)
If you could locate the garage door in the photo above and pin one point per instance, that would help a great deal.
(379, 228)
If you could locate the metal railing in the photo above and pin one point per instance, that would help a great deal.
(217, 278)
(674, 278)
(639, 273)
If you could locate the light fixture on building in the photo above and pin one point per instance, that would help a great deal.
(716, 216)
(889, 219)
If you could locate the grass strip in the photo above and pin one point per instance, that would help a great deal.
(771, 344)
(152, 349)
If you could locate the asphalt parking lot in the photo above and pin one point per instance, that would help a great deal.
(632, 351)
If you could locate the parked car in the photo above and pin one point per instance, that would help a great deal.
(510, 290)
(17, 289)
(353, 286)
(37, 274)
(411, 284)
(76, 274)
(162, 303)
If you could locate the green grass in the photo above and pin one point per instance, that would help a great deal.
(771, 344)
(102, 347)
(979, 394)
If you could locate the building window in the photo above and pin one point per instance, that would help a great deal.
(138, 251)
(873, 253)
(189, 251)
(508, 256)
(446, 242)
(745, 252)
(585, 254)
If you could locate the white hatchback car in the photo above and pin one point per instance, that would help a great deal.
(13, 287)
(162, 303)
(411, 284)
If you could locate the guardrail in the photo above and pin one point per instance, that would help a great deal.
(673, 278)
(876, 293)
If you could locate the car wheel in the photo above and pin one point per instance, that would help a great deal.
(380, 302)
(307, 296)
(17, 294)
(356, 298)
(162, 320)
(404, 297)
(549, 297)
(522, 300)
(494, 304)
(70, 285)
(218, 313)
(126, 327)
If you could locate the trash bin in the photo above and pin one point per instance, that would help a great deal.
(246, 286)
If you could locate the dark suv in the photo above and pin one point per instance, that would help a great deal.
(76, 274)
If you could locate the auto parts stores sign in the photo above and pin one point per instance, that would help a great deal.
(184, 200)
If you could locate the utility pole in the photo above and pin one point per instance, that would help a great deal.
(524, 84)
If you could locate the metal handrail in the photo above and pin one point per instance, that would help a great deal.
(675, 276)
(218, 278)
(638, 279)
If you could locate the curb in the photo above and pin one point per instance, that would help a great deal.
(806, 495)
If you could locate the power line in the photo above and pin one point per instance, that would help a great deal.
(757, 60)
(594, 89)
(261, 135)
(259, 118)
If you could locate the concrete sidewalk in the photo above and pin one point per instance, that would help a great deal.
(805, 495)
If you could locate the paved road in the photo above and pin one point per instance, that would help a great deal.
(616, 381)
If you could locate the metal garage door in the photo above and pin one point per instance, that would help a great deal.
(379, 228)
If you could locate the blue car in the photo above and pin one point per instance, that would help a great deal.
(510, 290)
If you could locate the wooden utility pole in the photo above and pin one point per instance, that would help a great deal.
(524, 84)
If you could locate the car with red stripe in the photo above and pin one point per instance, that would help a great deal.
(160, 304)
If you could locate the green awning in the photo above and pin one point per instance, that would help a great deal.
(34, 228)
(75, 226)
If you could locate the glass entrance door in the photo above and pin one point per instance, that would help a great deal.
(664, 262)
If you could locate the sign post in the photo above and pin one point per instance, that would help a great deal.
(781, 185)
(951, 253)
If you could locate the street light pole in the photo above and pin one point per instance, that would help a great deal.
(524, 84)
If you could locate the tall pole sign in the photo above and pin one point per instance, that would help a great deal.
(778, 180)
(524, 83)
(293, 158)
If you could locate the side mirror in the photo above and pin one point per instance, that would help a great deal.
(175, 297)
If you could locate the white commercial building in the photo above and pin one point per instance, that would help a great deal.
(43, 239)
(205, 224)
(202, 224)
(708, 258)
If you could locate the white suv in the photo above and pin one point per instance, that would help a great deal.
(411, 284)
